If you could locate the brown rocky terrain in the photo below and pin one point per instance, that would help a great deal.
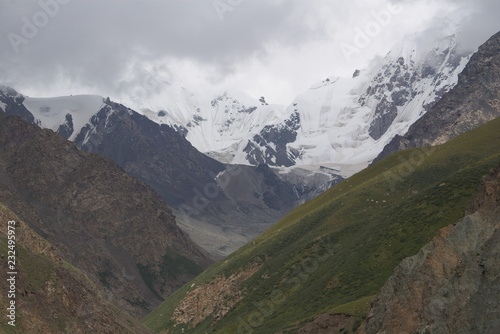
(53, 297)
(108, 224)
(212, 299)
(453, 284)
(471, 103)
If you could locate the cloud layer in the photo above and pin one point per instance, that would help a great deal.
(275, 48)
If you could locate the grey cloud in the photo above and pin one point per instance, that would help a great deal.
(93, 40)
(90, 43)
(482, 23)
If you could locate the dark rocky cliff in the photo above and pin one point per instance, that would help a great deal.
(151, 152)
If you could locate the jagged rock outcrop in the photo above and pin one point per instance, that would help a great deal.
(212, 299)
(51, 296)
(110, 225)
(453, 284)
(475, 100)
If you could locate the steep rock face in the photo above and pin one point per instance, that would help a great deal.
(103, 221)
(475, 100)
(405, 76)
(452, 285)
(67, 129)
(51, 296)
(154, 153)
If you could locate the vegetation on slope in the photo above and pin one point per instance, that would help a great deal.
(332, 253)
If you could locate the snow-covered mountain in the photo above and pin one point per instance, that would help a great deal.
(349, 120)
(339, 122)
(219, 126)
(66, 115)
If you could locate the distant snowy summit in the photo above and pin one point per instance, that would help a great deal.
(219, 126)
(344, 121)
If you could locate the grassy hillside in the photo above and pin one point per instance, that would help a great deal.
(333, 253)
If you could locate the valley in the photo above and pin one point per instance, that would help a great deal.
(369, 204)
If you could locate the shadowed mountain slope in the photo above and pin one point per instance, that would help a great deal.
(110, 225)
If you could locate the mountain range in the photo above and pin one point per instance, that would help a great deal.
(342, 122)
(199, 189)
(328, 133)
(140, 203)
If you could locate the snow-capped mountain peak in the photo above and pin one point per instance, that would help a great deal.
(348, 120)
(340, 120)
(221, 125)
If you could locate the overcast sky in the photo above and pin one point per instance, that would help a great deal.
(275, 48)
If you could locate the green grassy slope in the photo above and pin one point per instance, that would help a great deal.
(332, 253)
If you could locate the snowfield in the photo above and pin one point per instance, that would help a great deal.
(51, 112)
